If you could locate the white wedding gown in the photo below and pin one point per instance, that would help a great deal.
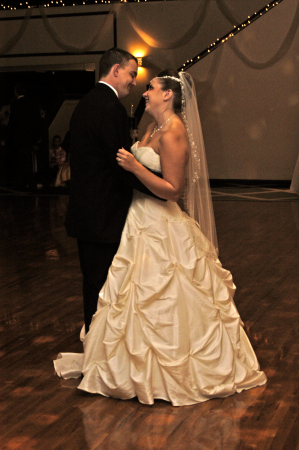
(166, 325)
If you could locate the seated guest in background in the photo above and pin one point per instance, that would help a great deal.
(57, 158)
(64, 174)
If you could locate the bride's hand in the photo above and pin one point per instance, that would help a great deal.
(126, 160)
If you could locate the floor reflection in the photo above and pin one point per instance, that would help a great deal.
(42, 314)
(162, 426)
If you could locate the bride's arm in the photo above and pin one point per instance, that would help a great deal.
(173, 156)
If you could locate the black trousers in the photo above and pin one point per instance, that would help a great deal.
(25, 169)
(95, 260)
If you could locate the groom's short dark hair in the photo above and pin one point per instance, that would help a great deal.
(112, 57)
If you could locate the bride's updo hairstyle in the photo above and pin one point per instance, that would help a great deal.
(175, 86)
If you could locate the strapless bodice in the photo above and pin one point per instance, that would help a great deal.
(147, 157)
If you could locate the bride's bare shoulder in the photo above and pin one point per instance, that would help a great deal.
(175, 141)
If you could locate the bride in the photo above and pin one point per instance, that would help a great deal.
(166, 326)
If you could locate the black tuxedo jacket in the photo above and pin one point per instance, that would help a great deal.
(101, 191)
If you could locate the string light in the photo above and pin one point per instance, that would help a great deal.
(61, 3)
(232, 33)
(35, 4)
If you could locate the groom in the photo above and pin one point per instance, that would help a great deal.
(101, 191)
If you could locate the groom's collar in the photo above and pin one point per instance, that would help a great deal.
(104, 82)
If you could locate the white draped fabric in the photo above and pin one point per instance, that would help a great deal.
(100, 32)
(189, 33)
(10, 43)
(166, 325)
(279, 54)
(295, 180)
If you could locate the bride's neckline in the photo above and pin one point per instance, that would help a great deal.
(145, 146)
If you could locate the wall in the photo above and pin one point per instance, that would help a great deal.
(250, 111)
(249, 114)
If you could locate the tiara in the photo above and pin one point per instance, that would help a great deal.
(173, 78)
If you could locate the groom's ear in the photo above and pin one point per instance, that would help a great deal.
(115, 70)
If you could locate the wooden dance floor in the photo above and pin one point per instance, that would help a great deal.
(41, 315)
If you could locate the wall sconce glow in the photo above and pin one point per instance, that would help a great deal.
(141, 72)
(139, 53)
